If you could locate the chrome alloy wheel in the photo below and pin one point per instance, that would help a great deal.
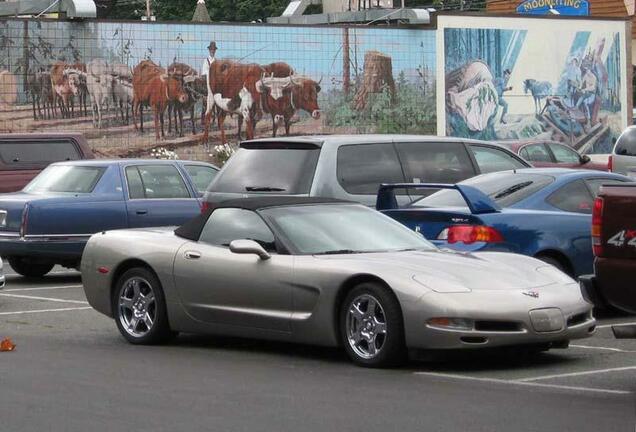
(137, 306)
(366, 326)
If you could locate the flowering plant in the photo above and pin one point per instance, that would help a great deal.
(223, 152)
(163, 153)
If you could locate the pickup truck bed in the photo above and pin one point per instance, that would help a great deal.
(614, 242)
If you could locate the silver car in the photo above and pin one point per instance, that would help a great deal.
(326, 272)
(623, 157)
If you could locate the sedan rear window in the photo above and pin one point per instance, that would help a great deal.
(505, 188)
(275, 170)
(66, 179)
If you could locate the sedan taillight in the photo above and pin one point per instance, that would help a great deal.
(470, 234)
(597, 226)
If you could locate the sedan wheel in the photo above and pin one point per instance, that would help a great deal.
(140, 309)
(371, 326)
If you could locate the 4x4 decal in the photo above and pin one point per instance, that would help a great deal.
(623, 237)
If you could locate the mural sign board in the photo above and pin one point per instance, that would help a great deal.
(502, 81)
(133, 87)
(558, 7)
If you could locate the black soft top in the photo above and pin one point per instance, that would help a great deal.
(191, 230)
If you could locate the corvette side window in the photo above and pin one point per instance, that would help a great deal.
(227, 224)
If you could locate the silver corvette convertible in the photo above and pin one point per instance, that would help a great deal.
(329, 273)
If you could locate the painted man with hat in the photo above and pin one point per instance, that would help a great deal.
(205, 67)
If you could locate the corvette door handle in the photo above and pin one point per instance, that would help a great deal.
(142, 212)
(191, 255)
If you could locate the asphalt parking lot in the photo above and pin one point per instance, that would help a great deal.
(72, 371)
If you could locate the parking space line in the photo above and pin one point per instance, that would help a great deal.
(616, 325)
(602, 348)
(42, 288)
(573, 374)
(42, 298)
(44, 310)
(523, 383)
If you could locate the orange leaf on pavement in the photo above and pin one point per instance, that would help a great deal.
(6, 345)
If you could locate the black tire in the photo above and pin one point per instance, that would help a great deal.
(159, 332)
(391, 349)
(28, 268)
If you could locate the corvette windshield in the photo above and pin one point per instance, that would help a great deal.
(342, 229)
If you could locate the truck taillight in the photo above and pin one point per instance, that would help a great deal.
(24, 221)
(470, 234)
(610, 163)
(597, 227)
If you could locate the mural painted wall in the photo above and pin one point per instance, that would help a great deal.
(507, 80)
(107, 78)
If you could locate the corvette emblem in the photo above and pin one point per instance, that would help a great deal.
(532, 294)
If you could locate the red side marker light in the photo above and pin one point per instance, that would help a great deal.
(103, 270)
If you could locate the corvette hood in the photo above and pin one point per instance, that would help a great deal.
(444, 271)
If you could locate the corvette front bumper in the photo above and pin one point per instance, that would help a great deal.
(501, 318)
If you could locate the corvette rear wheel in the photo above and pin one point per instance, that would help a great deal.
(140, 309)
(371, 326)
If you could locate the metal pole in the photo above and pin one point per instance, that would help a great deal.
(148, 9)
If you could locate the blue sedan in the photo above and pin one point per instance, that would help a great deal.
(544, 213)
(51, 219)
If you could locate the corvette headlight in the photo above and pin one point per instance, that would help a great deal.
(452, 323)
(555, 274)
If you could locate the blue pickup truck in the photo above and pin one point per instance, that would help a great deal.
(51, 219)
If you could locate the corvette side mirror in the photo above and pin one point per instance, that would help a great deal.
(249, 247)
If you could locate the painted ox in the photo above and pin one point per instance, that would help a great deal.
(64, 87)
(79, 88)
(278, 70)
(282, 97)
(196, 88)
(122, 90)
(42, 96)
(152, 86)
(99, 81)
(232, 87)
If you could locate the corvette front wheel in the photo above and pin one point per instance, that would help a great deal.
(371, 326)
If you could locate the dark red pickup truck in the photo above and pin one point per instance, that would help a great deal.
(614, 243)
(23, 156)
